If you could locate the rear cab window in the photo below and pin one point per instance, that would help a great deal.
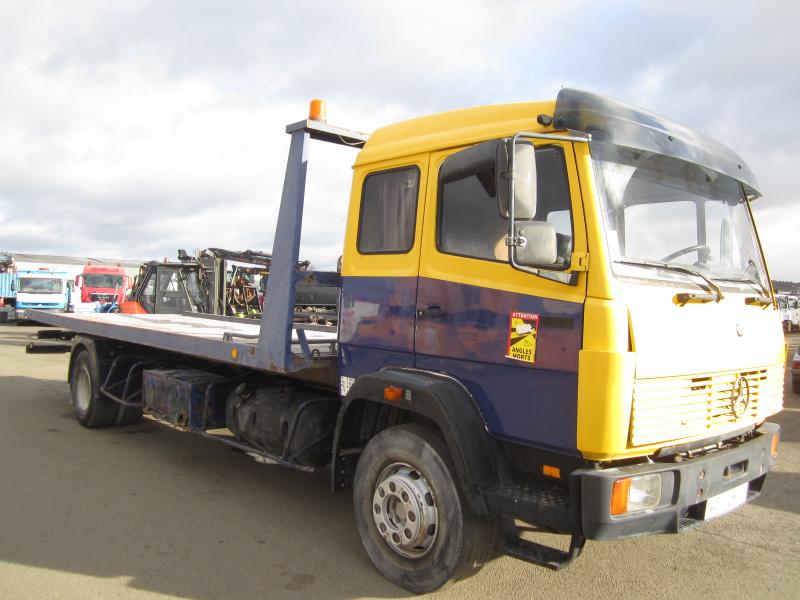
(388, 211)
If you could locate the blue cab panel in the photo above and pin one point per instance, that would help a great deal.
(527, 401)
(376, 324)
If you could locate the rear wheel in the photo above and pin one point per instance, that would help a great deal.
(92, 408)
(411, 516)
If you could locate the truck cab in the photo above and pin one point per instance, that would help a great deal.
(592, 322)
(790, 314)
(607, 304)
(166, 288)
(43, 290)
(102, 284)
(794, 311)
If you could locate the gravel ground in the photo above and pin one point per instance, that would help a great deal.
(147, 512)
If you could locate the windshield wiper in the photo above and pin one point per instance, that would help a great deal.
(763, 299)
(681, 298)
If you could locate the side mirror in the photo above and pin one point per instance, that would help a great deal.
(13, 285)
(537, 245)
(523, 178)
(78, 280)
(491, 163)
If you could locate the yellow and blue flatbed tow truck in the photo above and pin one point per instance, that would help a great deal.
(551, 314)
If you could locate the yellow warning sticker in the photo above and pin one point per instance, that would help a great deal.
(522, 331)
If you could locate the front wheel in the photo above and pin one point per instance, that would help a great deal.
(411, 516)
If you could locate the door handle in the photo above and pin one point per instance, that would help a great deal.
(432, 311)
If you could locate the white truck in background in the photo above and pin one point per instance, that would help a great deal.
(42, 289)
(790, 312)
(8, 286)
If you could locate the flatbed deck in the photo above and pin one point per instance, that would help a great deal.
(228, 341)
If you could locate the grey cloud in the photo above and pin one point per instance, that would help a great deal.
(364, 56)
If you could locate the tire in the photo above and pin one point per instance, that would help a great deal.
(91, 408)
(403, 481)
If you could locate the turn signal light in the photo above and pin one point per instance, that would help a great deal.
(619, 496)
(318, 111)
(551, 471)
(774, 449)
(392, 393)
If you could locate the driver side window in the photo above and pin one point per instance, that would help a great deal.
(470, 223)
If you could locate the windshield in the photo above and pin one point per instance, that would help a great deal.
(102, 280)
(40, 285)
(664, 210)
(179, 291)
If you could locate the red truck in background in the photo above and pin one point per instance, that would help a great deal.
(103, 283)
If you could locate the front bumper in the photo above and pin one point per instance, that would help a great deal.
(686, 487)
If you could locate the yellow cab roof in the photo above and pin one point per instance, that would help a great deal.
(452, 129)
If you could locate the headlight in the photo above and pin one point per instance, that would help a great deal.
(634, 494)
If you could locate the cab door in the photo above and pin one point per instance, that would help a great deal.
(380, 266)
(511, 337)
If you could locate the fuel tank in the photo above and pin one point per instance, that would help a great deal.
(287, 419)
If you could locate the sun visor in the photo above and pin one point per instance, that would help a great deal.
(612, 121)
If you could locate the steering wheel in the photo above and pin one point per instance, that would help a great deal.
(696, 248)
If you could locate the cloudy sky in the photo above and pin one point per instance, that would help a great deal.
(132, 128)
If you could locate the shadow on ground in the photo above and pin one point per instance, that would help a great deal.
(173, 512)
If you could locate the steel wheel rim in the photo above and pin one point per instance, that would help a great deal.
(404, 510)
(83, 390)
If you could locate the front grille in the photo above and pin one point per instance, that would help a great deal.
(673, 408)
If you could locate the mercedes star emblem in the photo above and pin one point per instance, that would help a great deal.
(740, 397)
